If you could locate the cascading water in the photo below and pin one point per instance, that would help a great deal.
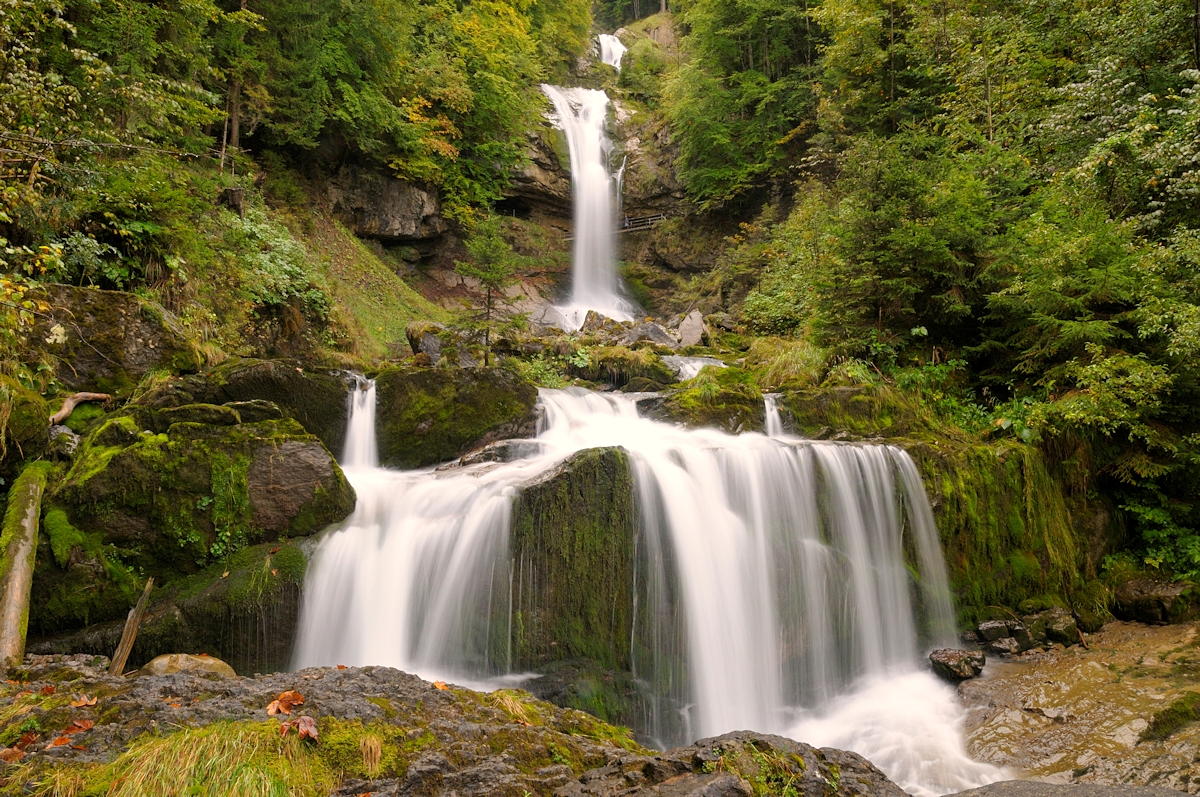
(611, 50)
(773, 588)
(774, 424)
(582, 114)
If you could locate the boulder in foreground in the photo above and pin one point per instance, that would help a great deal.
(957, 665)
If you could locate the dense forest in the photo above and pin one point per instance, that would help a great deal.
(990, 207)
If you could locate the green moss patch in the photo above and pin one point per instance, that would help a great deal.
(724, 398)
(1183, 711)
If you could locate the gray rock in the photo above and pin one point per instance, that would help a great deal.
(375, 204)
(692, 330)
(1006, 646)
(957, 665)
(256, 410)
(1021, 634)
(63, 442)
(211, 414)
(169, 663)
(992, 630)
(1028, 788)
(1060, 626)
(648, 331)
(1146, 600)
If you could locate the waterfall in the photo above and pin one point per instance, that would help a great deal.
(582, 114)
(781, 585)
(774, 425)
(611, 50)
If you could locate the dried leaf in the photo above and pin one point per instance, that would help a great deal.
(11, 754)
(83, 700)
(342, 667)
(306, 727)
(275, 549)
(77, 726)
(440, 685)
(78, 747)
(175, 705)
(48, 689)
(27, 738)
(59, 742)
(275, 571)
(276, 707)
(290, 698)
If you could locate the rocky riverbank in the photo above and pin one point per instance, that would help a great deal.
(1120, 711)
(69, 728)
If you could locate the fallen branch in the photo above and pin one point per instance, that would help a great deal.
(73, 401)
(117, 665)
(18, 550)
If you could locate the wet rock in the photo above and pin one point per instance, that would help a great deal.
(198, 413)
(692, 330)
(650, 332)
(1060, 626)
(1005, 646)
(63, 442)
(592, 322)
(375, 204)
(957, 665)
(1025, 788)
(170, 663)
(1153, 601)
(106, 341)
(424, 338)
(426, 416)
(503, 451)
(25, 430)
(742, 758)
(256, 410)
(991, 630)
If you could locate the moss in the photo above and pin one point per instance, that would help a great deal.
(63, 537)
(858, 412)
(83, 416)
(573, 540)
(24, 498)
(1183, 711)
(768, 771)
(725, 398)
(342, 746)
(618, 365)
(24, 416)
(425, 416)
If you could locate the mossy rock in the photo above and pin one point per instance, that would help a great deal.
(722, 398)
(169, 504)
(619, 365)
(25, 433)
(425, 416)
(243, 610)
(573, 531)
(854, 413)
(106, 341)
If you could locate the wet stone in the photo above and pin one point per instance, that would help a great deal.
(957, 665)
(1006, 646)
(992, 630)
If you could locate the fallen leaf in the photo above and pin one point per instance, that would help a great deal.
(48, 689)
(225, 574)
(285, 701)
(440, 685)
(342, 667)
(59, 742)
(27, 738)
(78, 747)
(275, 571)
(175, 705)
(83, 700)
(20, 695)
(275, 549)
(275, 707)
(78, 726)
(11, 754)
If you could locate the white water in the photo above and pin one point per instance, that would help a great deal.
(774, 421)
(771, 592)
(611, 50)
(582, 114)
(689, 367)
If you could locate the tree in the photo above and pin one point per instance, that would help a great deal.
(494, 263)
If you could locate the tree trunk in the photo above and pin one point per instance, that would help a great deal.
(18, 551)
(129, 633)
(235, 115)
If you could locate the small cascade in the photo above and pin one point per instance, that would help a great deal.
(689, 367)
(611, 50)
(780, 585)
(774, 425)
(582, 114)
(360, 449)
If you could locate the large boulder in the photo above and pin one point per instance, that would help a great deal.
(106, 341)
(1148, 600)
(167, 504)
(573, 528)
(243, 609)
(425, 416)
(957, 665)
(375, 204)
(23, 435)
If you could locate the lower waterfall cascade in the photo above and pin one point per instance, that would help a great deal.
(774, 590)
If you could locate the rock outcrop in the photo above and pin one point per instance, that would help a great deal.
(105, 341)
(1154, 601)
(374, 204)
(425, 416)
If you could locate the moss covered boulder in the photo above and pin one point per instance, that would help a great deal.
(619, 365)
(722, 398)
(24, 421)
(168, 504)
(106, 341)
(573, 534)
(242, 610)
(262, 390)
(424, 416)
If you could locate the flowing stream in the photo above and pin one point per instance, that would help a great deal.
(582, 114)
(611, 50)
(781, 585)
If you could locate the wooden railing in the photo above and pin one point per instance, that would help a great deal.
(634, 224)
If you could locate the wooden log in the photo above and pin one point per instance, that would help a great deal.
(117, 665)
(18, 551)
(72, 402)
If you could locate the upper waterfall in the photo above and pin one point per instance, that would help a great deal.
(611, 50)
(582, 114)
(776, 581)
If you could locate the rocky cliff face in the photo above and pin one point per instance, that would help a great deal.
(374, 204)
